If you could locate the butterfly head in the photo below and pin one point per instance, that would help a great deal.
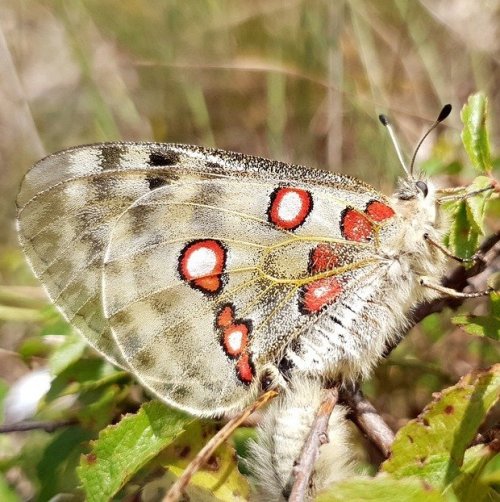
(416, 198)
(415, 189)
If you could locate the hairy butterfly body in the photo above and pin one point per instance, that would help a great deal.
(209, 274)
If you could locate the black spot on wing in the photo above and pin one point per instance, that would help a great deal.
(162, 159)
(285, 366)
(156, 182)
(213, 165)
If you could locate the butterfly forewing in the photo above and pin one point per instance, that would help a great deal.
(215, 262)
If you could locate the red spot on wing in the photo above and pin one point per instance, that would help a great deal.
(322, 258)
(319, 294)
(209, 284)
(244, 369)
(289, 207)
(225, 317)
(202, 263)
(378, 211)
(355, 226)
(234, 337)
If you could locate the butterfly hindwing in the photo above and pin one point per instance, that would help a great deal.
(206, 282)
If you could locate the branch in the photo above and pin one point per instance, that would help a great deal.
(205, 453)
(318, 436)
(369, 421)
(490, 437)
(30, 426)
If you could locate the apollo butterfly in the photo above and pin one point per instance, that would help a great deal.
(206, 273)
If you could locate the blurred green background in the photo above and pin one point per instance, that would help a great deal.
(299, 81)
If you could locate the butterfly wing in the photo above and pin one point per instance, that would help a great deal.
(206, 282)
(71, 202)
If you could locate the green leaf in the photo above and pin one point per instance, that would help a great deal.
(463, 237)
(432, 446)
(67, 353)
(475, 133)
(56, 467)
(97, 408)
(479, 325)
(468, 216)
(122, 449)
(380, 489)
(488, 326)
(470, 484)
(84, 375)
(476, 205)
(491, 472)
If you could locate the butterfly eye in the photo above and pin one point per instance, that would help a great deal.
(422, 187)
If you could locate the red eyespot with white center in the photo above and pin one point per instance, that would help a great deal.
(289, 207)
(378, 211)
(355, 226)
(234, 335)
(319, 294)
(235, 339)
(202, 263)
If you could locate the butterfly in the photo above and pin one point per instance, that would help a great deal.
(212, 275)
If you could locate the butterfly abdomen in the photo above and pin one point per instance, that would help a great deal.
(283, 430)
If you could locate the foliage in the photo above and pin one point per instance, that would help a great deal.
(122, 449)
(117, 445)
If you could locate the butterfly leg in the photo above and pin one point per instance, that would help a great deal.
(428, 283)
(473, 259)
(454, 194)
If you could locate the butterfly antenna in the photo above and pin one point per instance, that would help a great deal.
(385, 122)
(443, 114)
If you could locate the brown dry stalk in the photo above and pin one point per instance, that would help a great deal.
(318, 435)
(31, 426)
(206, 452)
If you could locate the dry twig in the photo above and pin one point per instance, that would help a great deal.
(369, 421)
(204, 454)
(318, 436)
